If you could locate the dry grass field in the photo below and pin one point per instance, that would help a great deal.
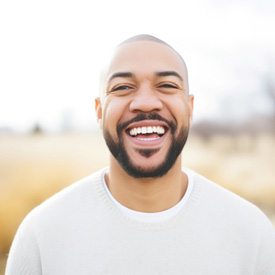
(34, 167)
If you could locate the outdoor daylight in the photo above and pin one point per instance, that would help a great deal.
(53, 54)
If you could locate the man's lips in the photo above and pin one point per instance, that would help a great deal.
(146, 123)
(148, 133)
(147, 128)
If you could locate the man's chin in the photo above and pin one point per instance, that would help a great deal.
(151, 163)
(147, 153)
(145, 171)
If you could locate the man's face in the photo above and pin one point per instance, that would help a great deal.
(146, 108)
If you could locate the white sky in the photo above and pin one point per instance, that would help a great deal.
(51, 54)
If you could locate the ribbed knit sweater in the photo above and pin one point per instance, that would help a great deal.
(80, 231)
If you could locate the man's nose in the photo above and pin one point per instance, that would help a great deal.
(146, 99)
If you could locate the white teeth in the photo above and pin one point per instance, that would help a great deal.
(144, 130)
(147, 130)
(150, 130)
(161, 130)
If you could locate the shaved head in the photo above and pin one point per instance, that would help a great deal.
(151, 38)
(144, 37)
(137, 39)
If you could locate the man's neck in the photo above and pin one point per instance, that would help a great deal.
(147, 194)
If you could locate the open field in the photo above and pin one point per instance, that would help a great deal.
(34, 167)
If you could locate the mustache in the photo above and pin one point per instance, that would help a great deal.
(146, 116)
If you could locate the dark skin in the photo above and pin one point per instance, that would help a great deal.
(146, 77)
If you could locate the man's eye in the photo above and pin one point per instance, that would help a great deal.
(168, 86)
(121, 88)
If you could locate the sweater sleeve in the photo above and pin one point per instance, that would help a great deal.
(24, 256)
(266, 253)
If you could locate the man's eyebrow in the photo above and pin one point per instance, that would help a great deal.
(169, 73)
(120, 74)
(131, 75)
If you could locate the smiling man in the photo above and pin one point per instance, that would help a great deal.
(145, 115)
(144, 214)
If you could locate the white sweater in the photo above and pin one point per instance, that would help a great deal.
(82, 231)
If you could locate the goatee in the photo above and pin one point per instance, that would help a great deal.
(119, 152)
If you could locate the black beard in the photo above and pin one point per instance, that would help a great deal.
(120, 154)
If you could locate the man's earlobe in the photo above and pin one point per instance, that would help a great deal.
(98, 110)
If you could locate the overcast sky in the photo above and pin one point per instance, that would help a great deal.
(51, 54)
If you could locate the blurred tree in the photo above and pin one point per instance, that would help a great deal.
(37, 129)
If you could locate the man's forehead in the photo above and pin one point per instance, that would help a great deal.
(145, 54)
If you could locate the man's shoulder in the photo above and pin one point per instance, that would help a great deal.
(73, 198)
(217, 199)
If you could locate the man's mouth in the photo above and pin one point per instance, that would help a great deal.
(146, 125)
(145, 130)
(147, 133)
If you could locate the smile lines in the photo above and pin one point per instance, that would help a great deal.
(147, 130)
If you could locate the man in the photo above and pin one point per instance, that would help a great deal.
(144, 214)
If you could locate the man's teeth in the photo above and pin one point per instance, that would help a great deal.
(147, 130)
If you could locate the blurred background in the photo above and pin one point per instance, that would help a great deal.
(51, 57)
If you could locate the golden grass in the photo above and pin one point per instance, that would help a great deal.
(242, 164)
(34, 167)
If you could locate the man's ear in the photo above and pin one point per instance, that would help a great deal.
(98, 111)
(191, 106)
